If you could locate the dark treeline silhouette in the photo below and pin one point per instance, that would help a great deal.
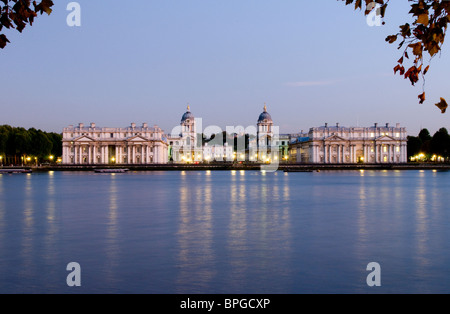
(21, 146)
(429, 146)
(237, 140)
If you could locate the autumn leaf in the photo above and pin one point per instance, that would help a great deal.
(442, 105)
(3, 41)
(391, 39)
(422, 98)
(417, 49)
(423, 19)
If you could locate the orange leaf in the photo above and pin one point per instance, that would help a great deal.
(442, 105)
(422, 98)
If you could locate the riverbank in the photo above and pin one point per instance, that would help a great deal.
(234, 166)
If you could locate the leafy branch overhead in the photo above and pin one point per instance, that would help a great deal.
(16, 14)
(423, 37)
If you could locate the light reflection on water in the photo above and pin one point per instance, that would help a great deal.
(225, 232)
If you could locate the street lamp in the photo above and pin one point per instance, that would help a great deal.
(1, 160)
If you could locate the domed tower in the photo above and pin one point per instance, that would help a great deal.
(188, 130)
(265, 129)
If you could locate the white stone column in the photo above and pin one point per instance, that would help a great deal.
(156, 152)
(376, 153)
(390, 153)
(104, 154)
(65, 155)
(338, 160)
(365, 152)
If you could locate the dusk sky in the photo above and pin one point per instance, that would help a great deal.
(143, 61)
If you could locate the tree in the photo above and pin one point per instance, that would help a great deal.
(425, 34)
(56, 140)
(414, 146)
(16, 14)
(440, 143)
(424, 135)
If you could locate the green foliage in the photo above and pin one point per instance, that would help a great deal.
(414, 146)
(16, 143)
(424, 135)
(426, 34)
(16, 14)
(438, 144)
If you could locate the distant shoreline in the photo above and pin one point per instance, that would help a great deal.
(232, 166)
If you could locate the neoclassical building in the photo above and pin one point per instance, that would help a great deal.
(347, 145)
(91, 145)
(186, 143)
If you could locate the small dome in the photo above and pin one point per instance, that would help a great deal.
(187, 115)
(265, 116)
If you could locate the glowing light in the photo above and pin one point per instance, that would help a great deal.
(51, 157)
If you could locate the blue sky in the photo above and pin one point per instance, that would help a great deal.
(142, 61)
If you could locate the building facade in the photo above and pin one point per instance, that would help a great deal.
(186, 143)
(350, 145)
(91, 145)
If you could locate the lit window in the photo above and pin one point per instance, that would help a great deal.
(385, 149)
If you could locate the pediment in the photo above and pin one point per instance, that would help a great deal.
(84, 138)
(385, 138)
(137, 138)
(335, 138)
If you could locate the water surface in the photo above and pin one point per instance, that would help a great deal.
(225, 232)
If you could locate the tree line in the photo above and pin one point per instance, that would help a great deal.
(428, 146)
(21, 146)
